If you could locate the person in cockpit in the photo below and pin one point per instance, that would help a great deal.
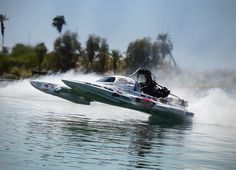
(150, 86)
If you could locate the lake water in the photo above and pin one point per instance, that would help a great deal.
(39, 131)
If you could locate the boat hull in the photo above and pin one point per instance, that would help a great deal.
(141, 103)
(60, 91)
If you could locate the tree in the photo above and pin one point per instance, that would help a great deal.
(67, 50)
(3, 18)
(138, 54)
(58, 22)
(23, 56)
(102, 56)
(165, 46)
(40, 50)
(92, 47)
(115, 59)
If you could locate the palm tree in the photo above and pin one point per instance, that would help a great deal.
(2, 19)
(165, 46)
(58, 22)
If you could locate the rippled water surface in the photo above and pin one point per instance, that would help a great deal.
(45, 132)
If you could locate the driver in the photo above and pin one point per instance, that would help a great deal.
(149, 86)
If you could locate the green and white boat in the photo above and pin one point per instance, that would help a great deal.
(118, 91)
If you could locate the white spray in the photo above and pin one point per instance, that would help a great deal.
(211, 105)
(211, 95)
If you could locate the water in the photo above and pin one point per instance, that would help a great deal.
(39, 131)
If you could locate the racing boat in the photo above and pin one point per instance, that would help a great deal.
(118, 91)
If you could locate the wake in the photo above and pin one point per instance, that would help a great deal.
(213, 105)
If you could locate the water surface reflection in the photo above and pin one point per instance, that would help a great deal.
(77, 141)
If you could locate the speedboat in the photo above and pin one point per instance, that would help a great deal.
(118, 91)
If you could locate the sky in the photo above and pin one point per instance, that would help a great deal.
(203, 31)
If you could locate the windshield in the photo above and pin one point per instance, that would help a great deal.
(107, 79)
(140, 78)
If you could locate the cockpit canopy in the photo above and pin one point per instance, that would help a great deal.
(107, 79)
(116, 80)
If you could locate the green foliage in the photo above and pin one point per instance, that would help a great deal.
(19, 62)
(68, 54)
(96, 56)
(102, 57)
(116, 62)
(67, 51)
(92, 47)
(19, 72)
(49, 62)
(4, 63)
(23, 56)
(40, 50)
(139, 53)
(144, 53)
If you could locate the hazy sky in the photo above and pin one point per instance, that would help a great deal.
(203, 31)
